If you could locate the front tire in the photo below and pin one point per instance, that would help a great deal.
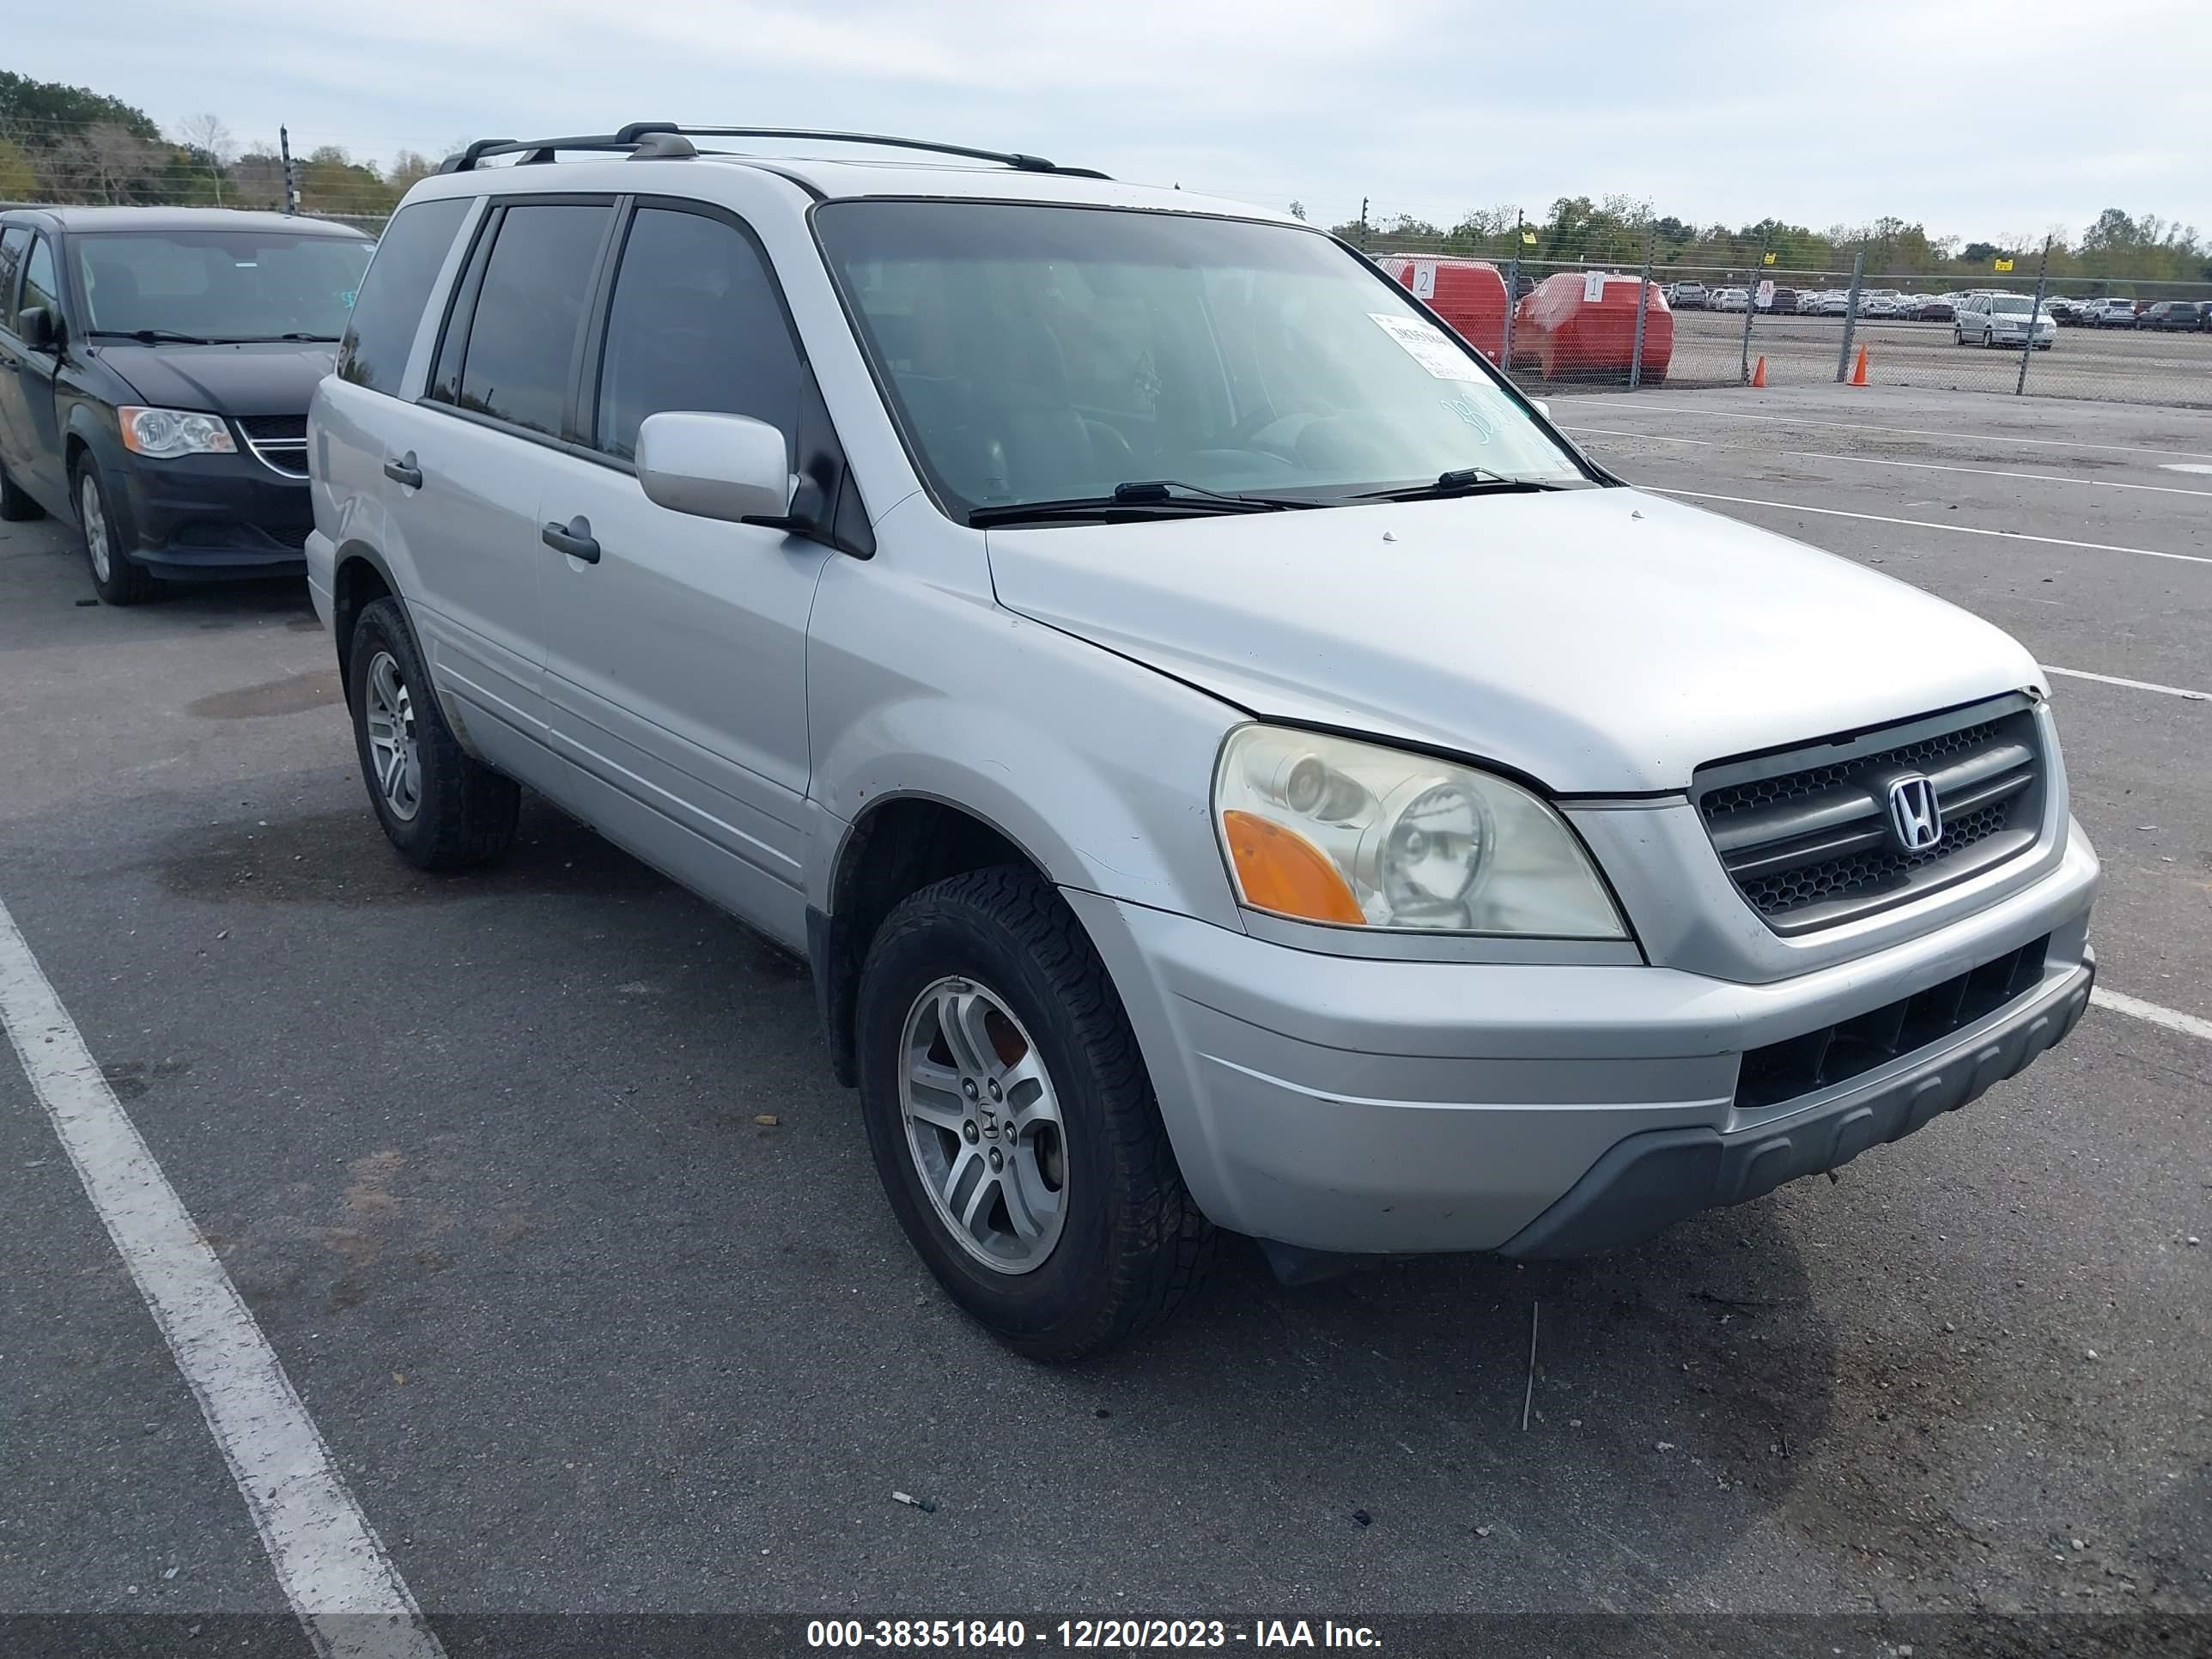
(439, 806)
(116, 577)
(1013, 1126)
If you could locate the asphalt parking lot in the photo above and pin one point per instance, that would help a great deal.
(537, 1184)
(2170, 368)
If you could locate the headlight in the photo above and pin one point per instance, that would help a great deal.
(1326, 829)
(165, 432)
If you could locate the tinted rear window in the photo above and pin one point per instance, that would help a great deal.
(389, 306)
(523, 335)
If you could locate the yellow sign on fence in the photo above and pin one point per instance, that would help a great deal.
(2004, 264)
(1766, 258)
(1529, 237)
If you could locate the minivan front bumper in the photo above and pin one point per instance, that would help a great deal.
(1358, 1105)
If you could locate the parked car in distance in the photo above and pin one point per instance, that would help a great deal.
(2170, 315)
(156, 366)
(1836, 302)
(2112, 312)
(818, 531)
(1730, 299)
(1935, 308)
(1780, 302)
(1997, 320)
(1875, 303)
(1689, 296)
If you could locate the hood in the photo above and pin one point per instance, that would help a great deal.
(1599, 640)
(273, 377)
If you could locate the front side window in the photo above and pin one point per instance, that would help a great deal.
(41, 283)
(522, 335)
(224, 285)
(695, 324)
(13, 241)
(1034, 353)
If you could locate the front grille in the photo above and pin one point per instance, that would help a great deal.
(278, 441)
(1805, 835)
(1836, 1053)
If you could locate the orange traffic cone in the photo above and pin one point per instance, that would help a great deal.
(1759, 374)
(1858, 374)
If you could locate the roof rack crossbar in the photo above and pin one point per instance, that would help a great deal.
(649, 139)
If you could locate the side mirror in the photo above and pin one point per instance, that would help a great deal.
(716, 466)
(37, 326)
(1540, 407)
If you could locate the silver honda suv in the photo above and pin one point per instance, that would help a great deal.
(1229, 762)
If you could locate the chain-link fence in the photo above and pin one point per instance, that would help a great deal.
(1762, 321)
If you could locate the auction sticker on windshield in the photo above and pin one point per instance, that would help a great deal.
(1426, 344)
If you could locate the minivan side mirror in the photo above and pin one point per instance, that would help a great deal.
(35, 325)
(716, 466)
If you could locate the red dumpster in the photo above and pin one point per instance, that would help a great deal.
(1468, 294)
(1581, 324)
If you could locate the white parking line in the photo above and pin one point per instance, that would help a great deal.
(1633, 404)
(2135, 1008)
(348, 1597)
(1918, 466)
(2132, 685)
(1929, 523)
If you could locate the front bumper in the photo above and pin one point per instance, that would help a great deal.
(1358, 1105)
(202, 516)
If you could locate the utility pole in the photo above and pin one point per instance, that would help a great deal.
(1851, 317)
(1751, 301)
(291, 183)
(2034, 315)
(1365, 240)
(1642, 306)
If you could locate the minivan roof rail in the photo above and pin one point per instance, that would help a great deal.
(665, 140)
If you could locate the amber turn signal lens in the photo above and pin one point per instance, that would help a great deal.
(1280, 870)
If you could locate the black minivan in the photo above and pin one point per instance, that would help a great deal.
(155, 368)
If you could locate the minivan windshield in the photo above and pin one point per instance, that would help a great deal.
(1038, 354)
(220, 284)
(2011, 305)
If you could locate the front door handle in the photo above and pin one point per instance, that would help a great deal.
(405, 472)
(574, 539)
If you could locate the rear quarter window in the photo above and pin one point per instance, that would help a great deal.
(389, 307)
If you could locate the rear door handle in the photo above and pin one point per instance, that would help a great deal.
(405, 472)
(574, 539)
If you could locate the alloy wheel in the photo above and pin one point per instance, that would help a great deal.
(92, 514)
(392, 742)
(983, 1126)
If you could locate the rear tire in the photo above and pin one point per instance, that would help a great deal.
(15, 506)
(116, 577)
(988, 979)
(439, 806)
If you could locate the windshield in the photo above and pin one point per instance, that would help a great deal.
(220, 284)
(1039, 354)
(2011, 305)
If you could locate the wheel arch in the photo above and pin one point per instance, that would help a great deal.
(359, 577)
(900, 844)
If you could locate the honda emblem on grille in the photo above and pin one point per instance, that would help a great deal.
(1915, 814)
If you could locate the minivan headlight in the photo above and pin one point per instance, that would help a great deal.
(1354, 835)
(165, 433)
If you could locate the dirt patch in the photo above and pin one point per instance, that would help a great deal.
(294, 695)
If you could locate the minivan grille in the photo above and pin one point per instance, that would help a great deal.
(1836, 1054)
(1806, 834)
(279, 442)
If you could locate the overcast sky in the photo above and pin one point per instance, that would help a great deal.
(1984, 120)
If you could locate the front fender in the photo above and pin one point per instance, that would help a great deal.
(1099, 768)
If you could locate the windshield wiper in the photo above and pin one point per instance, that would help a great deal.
(1464, 481)
(151, 336)
(263, 339)
(1150, 499)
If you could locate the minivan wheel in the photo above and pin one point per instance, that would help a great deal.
(116, 577)
(443, 809)
(1013, 1126)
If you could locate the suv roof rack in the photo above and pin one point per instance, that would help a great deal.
(667, 141)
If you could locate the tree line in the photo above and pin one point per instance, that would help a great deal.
(63, 144)
(1616, 230)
